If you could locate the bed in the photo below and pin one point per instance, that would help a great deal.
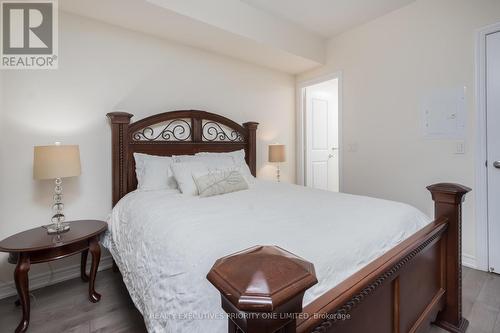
(383, 265)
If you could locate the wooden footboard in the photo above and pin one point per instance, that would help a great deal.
(413, 285)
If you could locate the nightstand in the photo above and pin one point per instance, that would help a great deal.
(36, 246)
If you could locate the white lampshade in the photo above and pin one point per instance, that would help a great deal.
(56, 161)
(277, 153)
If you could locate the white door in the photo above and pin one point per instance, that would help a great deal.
(493, 146)
(322, 136)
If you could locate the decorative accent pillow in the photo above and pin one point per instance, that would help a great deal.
(238, 154)
(184, 158)
(183, 173)
(233, 160)
(153, 172)
(219, 182)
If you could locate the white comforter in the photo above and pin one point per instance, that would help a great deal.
(165, 243)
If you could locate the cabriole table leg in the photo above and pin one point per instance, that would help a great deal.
(95, 252)
(83, 266)
(22, 286)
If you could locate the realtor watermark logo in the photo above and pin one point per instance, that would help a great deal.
(29, 34)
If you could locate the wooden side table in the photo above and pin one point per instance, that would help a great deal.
(36, 246)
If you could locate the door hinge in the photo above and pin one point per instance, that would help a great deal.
(486, 163)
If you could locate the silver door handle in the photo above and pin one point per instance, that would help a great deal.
(334, 148)
(330, 156)
(496, 164)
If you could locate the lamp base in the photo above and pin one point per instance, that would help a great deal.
(54, 229)
(278, 176)
(58, 226)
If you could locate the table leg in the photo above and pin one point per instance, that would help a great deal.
(22, 286)
(95, 252)
(83, 266)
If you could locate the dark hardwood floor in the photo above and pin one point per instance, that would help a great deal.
(65, 308)
(481, 302)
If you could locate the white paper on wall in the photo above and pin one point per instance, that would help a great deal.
(443, 114)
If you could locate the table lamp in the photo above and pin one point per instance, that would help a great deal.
(56, 162)
(277, 155)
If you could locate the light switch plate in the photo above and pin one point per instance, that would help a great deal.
(460, 147)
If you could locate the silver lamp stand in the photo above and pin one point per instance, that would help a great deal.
(58, 225)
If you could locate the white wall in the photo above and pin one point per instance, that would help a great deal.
(103, 68)
(388, 65)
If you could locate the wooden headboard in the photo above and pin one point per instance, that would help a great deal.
(184, 132)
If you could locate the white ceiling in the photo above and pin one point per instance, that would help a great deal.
(328, 17)
(228, 27)
(288, 35)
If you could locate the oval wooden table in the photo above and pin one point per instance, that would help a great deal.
(36, 246)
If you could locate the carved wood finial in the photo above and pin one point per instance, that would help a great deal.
(251, 125)
(119, 117)
(262, 282)
(448, 192)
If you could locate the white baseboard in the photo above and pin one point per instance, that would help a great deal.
(49, 278)
(469, 261)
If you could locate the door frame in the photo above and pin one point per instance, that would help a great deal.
(481, 179)
(301, 125)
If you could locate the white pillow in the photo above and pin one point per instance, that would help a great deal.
(154, 172)
(184, 158)
(219, 182)
(183, 173)
(233, 160)
(240, 154)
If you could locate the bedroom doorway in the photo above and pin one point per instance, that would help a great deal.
(493, 146)
(488, 147)
(321, 134)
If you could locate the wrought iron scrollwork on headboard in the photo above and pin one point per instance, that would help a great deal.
(174, 130)
(183, 132)
(215, 132)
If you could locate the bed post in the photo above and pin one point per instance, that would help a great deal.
(262, 289)
(251, 154)
(448, 200)
(119, 142)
